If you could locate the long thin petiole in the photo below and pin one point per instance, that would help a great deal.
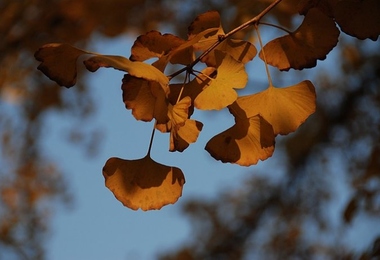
(265, 59)
(276, 26)
(151, 138)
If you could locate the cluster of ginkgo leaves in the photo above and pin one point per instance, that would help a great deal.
(259, 117)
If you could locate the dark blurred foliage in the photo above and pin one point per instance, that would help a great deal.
(282, 219)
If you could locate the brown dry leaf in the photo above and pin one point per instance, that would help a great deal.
(284, 108)
(146, 99)
(359, 18)
(143, 183)
(220, 92)
(59, 62)
(245, 143)
(301, 49)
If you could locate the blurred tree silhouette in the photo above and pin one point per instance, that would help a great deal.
(271, 219)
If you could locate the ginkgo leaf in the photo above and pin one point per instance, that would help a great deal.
(185, 135)
(59, 62)
(359, 18)
(146, 99)
(183, 131)
(135, 68)
(220, 92)
(192, 88)
(240, 50)
(143, 183)
(284, 108)
(312, 41)
(153, 44)
(245, 143)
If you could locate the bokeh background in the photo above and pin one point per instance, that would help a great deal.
(318, 197)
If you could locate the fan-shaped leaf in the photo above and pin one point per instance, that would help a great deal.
(284, 108)
(245, 143)
(183, 131)
(59, 62)
(359, 18)
(143, 183)
(146, 98)
(312, 41)
(220, 92)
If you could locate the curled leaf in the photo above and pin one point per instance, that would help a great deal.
(143, 183)
(312, 41)
(220, 93)
(245, 143)
(183, 130)
(135, 68)
(59, 62)
(284, 108)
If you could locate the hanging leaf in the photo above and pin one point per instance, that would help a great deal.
(284, 108)
(245, 143)
(183, 130)
(143, 183)
(146, 98)
(134, 68)
(301, 49)
(220, 92)
(59, 62)
(359, 18)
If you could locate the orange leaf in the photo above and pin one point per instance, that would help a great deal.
(146, 99)
(245, 143)
(312, 41)
(359, 18)
(59, 62)
(143, 183)
(183, 131)
(284, 108)
(220, 92)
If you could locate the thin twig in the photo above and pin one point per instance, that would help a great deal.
(221, 38)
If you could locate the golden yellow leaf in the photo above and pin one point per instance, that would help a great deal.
(245, 143)
(134, 68)
(284, 108)
(146, 99)
(359, 18)
(219, 92)
(312, 41)
(143, 183)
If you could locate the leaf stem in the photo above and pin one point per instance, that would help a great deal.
(254, 21)
(265, 59)
(276, 26)
(151, 138)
